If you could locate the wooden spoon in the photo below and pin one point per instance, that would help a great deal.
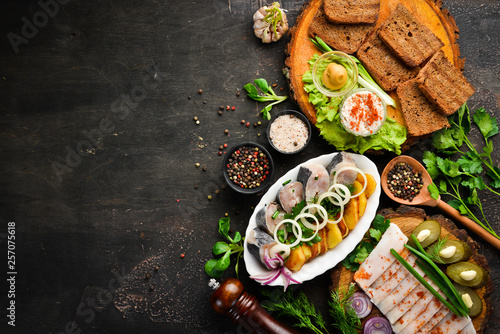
(424, 198)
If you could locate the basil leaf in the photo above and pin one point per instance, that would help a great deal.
(262, 84)
(224, 227)
(251, 89)
(220, 247)
(237, 237)
(223, 263)
(211, 270)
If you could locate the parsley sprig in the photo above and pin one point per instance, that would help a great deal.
(268, 95)
(462, 179)
(367, 244)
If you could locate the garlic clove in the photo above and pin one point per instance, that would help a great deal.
(423, 235)
(467, 300)
(468, 275)
(448, 252)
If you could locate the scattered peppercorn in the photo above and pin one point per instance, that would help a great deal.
(220, 153)
(254, 125)
(157, 268)
(225, 145)
(403, 182)
(221, 147)
(226, 131)
(197, 164)
(204, 101)
(200, 91)
(259, 123)
(221, 108)
(204, 168)
(242, 121)
(182, 255)
(189, 97)
(238, 93)
(248, 167)
(198, 122)
(226, 214)
(220, 112)
(195, 118)
(195, 186)
(233, 108)
(248, 124)
(217, 191)
(228, 107)
(209, 197)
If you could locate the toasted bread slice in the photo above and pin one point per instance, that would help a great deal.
(342, 37)
(352, 12)
(388, 70)
(408, 38)
(444, 84)
(421, 115)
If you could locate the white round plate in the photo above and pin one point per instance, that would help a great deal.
(330, 259)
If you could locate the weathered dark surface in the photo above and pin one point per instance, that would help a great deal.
(102, 244)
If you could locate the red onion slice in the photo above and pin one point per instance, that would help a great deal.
(361, 304)
(377, 325)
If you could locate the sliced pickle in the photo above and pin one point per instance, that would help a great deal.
(462, 253)
(435, 231)
(477, 303)
(454, 271)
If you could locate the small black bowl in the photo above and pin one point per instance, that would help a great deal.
(300, 116)
(263, 184)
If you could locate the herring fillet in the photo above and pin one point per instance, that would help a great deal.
(380, 258)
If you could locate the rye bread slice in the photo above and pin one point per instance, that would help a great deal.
(408, 38)
(384, 66)
(444, 84)
(421, 116)
(352, 11)
(342, 37)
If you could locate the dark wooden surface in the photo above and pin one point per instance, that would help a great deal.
(114, 239)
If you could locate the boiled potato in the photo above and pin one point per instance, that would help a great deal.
(344, 230)
(296, 259)
(370, 185)
(362, 204)
(357, 187)
(307, 252)
(334, 236)
(351, 213)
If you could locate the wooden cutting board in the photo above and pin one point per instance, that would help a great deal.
(300, 49)
(407, 218)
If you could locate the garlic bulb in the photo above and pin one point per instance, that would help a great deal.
(269, 23)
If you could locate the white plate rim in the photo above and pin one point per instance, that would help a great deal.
(330, 259)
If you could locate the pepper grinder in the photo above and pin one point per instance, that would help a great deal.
(244, 309)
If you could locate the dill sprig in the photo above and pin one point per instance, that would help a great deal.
(298, 307)
(347, 322)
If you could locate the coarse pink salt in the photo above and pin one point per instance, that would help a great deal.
(288, 133)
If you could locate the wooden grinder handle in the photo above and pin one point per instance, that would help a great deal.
(470, 224)
(244, 309)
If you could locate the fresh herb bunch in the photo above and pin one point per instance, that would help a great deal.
(346, 320)
(216, 267)
(464, 176)
(296, 306)
(434, 254)
(269, 95)
(367, 244)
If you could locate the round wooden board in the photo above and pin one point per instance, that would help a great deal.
(300, 49)
(407, 218)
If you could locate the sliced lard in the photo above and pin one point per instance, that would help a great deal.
(420, 313)
(450, 324)
(382, 280)
(436, 318)
(404, 288)
(397, 315)
(385, 288)
(432, 308)
(469, 329)
(380, 258)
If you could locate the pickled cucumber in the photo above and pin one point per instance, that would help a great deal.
(462, 252)
(477, 303)
(434, 229)
(454, 270)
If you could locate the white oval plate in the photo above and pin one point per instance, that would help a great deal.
(328, 260)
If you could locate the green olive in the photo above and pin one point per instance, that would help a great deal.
(454, 271)
(462, 252)
(477, 303)
(435, 231)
